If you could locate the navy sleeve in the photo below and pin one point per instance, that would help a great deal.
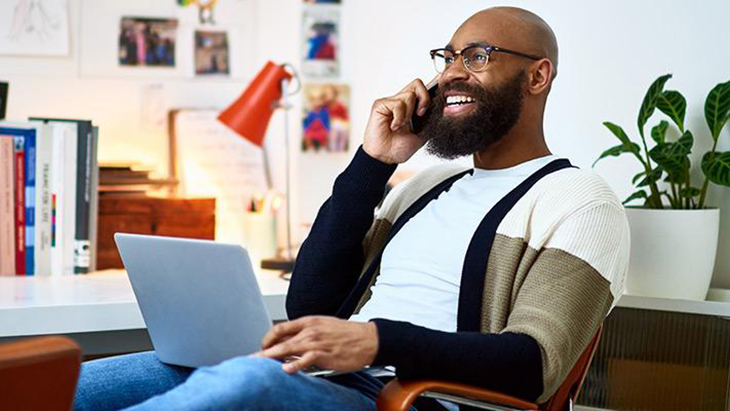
(510, 363)
(330, 259)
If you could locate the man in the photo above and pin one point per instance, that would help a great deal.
(496, 276)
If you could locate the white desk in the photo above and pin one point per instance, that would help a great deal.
(99, 310)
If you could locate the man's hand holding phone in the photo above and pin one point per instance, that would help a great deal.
(388, 135)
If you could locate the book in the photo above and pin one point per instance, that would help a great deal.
(28, 131)
(63, 197)
(61, 133)
(94, 202)
(69, 195)
(43, 212)
(7, 205)
(81, 244)
(19, 188)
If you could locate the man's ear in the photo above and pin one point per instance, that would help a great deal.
(542, 74)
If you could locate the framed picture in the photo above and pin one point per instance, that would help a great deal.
(326, 118)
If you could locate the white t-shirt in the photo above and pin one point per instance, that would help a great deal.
(420, 272)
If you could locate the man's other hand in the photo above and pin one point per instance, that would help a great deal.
(388, 135)
(326, 342)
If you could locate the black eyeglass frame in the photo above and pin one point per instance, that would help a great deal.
(488, 50)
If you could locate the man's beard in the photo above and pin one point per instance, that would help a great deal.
(496, 112)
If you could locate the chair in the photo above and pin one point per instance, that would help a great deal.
(399, 395)
(39, 374)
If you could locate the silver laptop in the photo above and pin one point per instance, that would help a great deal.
(199, 299)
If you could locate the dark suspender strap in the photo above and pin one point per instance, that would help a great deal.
(477, 255)
(348, 307)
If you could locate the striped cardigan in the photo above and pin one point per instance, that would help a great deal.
(556, 267)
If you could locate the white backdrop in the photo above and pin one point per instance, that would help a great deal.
(610, 53)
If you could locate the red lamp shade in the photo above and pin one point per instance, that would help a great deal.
(249, 115)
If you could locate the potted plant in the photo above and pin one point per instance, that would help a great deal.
(673, 233)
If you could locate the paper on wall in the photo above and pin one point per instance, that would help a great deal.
(213, 161)
(34, 27)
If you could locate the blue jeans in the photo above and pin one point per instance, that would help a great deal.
(141, 382)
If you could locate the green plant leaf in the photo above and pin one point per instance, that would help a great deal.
(659, 132)
(621, 135)
(716, 167)
(650, 100)
(673, 104)
(638, 177)
(637, 195)
(673, 157)
(690, 192)
(717, 108)
(686, 142)
(678, 177)
(656, 174)
(617, 151)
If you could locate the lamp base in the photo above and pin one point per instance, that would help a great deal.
(282, 264)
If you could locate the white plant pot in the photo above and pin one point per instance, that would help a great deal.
(672, 252)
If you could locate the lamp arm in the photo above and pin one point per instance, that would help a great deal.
(285, 106)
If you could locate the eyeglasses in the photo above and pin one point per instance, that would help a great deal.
(474, 58)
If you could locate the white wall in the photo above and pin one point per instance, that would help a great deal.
(610, 53)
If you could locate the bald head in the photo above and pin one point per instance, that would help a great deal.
(517, 29)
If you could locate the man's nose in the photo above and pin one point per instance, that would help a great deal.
(454, 72)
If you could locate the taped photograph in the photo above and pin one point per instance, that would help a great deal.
(326, 119)
(321, 48)
(147, 42)
(212, 56)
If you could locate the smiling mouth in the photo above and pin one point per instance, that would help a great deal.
(458, 103)
(458, 100)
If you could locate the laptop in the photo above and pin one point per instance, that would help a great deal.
(199, 299)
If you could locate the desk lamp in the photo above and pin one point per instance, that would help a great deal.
(249, 117)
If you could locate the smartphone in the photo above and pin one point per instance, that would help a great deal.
(419, 122)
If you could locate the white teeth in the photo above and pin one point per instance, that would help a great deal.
(458, 99)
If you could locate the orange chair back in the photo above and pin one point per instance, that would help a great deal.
(39, 374)
(570, 387)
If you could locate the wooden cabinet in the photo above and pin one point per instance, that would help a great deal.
(187, 218)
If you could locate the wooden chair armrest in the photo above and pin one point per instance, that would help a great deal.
(400, 395)
(39, 373)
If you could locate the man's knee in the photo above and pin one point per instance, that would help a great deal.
(248, 378)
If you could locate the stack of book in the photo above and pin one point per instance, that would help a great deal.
(131, 180)
(48, 196)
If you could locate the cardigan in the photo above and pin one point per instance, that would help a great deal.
(556, 266)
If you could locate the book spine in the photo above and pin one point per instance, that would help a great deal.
(94, 205)
(7, 206)
(19, 206)
(82, 247)
(44, 145)
(69, 197)
(30, 177)
(58, 157)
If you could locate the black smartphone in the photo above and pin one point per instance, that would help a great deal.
(419, 122)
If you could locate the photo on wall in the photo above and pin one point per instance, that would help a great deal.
(147, 42)
(321, 49)
(326, 118)
(212, 56)
(322, 1)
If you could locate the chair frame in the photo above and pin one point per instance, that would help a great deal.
(400, 395)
